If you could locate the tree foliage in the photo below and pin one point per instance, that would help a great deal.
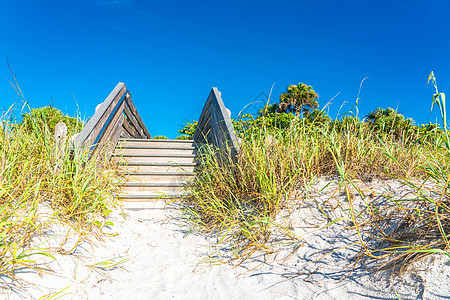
(46, 118)
(298, 98)
(389, 121)
(189, 129)
(316, 116)
(302, 99)
(247, 123)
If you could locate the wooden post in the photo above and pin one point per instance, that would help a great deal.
(60, 140)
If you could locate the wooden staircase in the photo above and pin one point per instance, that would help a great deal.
(155, 169)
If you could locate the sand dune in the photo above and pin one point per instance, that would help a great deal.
(158, 259)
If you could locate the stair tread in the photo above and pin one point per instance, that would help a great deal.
(119, 147)
(159, 164)
(147, 195)
(159, 173)
(156, 140)
(153, 184)
(154, 155)
(154, 193)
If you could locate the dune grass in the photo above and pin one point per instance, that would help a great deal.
(78, 191)
(240, 201)
(421, 217)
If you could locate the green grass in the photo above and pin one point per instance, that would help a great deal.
(240, 201)
(423, 216)
(79, 191)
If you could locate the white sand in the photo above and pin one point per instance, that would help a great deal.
(166, 263)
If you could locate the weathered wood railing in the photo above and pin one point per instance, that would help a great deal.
(114, 118)
(215, 127)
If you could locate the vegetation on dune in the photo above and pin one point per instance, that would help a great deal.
(283, 149)
(183, 137)
(282, 152)
(189, 129)
(423, 220)
(78, 191)
(45, 118)
(298, 98)
(160, 137)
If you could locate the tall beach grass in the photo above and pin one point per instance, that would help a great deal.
(239, 202)
(77, 190)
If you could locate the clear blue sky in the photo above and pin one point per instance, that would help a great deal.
(170, 53)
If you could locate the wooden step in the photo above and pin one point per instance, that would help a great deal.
(174, 147)
(148, 196)
(155, 158)
(131, 187)
(156, 143)
(157, 167)
(154, 151)
(158, 176)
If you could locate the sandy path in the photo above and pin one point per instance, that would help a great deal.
(164, 264)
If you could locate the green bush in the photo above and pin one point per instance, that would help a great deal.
(389, 121)
(429, 132)
(38, 119)
(183, 137)
(78, 189)
(160, 137)
(317, 116)
(247, 124)
(189, 129)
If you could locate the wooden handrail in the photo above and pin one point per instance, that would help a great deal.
(114, 118)
(215, 127)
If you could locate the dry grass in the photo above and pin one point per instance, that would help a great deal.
(239, 202)
(78, 190)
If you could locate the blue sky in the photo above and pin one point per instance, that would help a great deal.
(170, 54)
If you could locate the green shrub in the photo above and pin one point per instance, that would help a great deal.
(389, 121)
(317, 116)
(38, 119)
(160, 137)
(80, 191)
(243, 198)
(189, 129)
(183, 137)
(246, 124)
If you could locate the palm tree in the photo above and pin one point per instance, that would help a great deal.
(298, 98)
(388, 120)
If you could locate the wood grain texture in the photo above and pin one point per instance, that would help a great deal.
(102, 132)
(137, 116)
(214, 125)
(110, 127)
(106, 143)
(136, 130)
(129, 128)
(60, 139)
(125, 134)
(204, 116)
(94, 126)
(114, 137)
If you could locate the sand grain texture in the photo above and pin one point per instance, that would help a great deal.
(165, 262)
